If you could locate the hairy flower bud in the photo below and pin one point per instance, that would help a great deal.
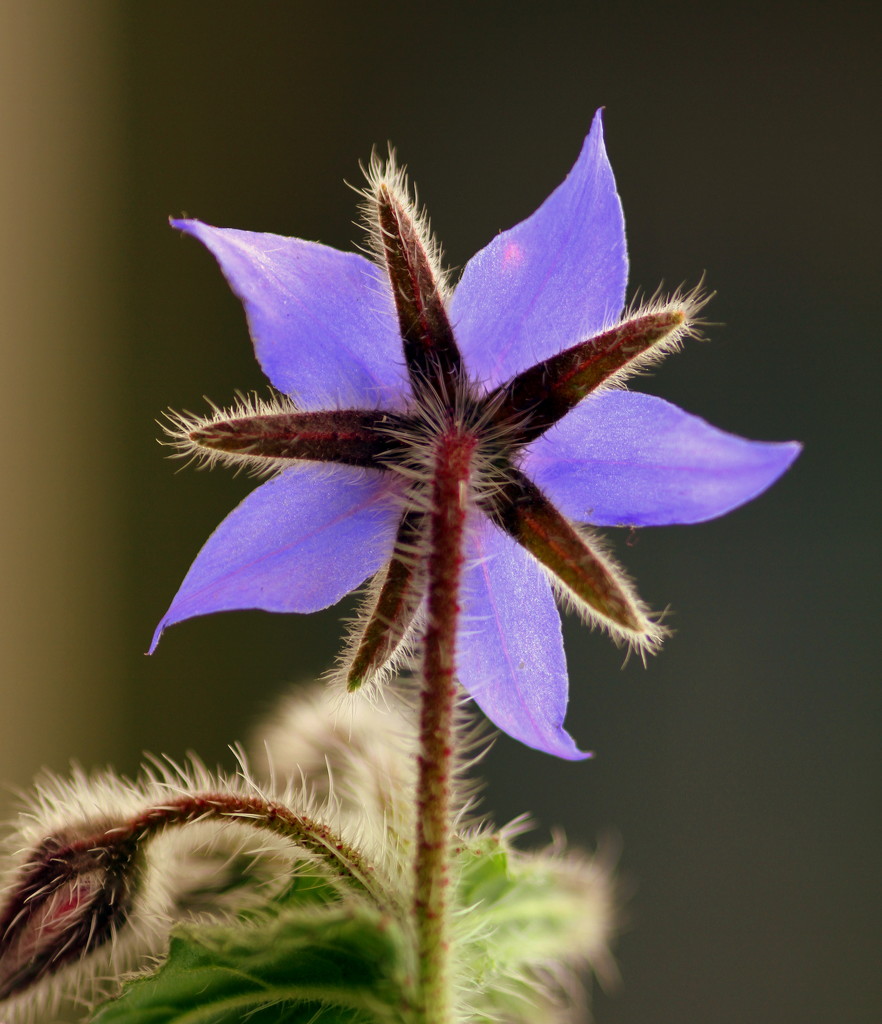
(72, 895)
(105, 867)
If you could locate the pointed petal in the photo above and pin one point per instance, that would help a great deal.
(323, 322)
(296, 544)
(550, 282)
(510, 654)
(626, 459)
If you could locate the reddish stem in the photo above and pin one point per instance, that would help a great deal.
(75, 890)
(453, 458)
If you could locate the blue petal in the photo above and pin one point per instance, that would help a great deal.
(510, 652)
(323, 322)
(626, 459)
(553, 280)
(297, 544)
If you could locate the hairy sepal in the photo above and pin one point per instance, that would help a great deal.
(581, 573)
(378, 643)
(403, 243)
(537, 398)
(265, 436)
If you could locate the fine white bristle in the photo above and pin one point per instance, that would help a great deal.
(650, 634)
(179, 426)
(690, 302)
(388, 174)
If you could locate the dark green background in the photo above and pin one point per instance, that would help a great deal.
(739, 769)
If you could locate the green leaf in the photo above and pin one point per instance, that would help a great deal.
(306, 890)
(341, 965)
(484, 874)
(525, 912)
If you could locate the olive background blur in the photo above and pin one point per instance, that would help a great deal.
(738, 770)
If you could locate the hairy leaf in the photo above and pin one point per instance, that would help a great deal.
(526, 911)
(337, 966)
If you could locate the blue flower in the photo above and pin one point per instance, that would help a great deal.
(373, 360)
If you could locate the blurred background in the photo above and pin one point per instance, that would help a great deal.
(739, 770)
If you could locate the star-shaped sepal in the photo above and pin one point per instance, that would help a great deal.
(389, 371)
(402, 442)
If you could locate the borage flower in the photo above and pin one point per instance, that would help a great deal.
(391, 376)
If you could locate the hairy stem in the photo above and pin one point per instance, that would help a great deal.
(447, 517)
(75, 890)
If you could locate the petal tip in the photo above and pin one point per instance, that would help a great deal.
(553, 740)
(562, 745)
(154, 643)
(779, 457)
(791, 450)
(188, 225)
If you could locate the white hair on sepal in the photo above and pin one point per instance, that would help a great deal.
(390, 175)
(179, 426)
(409, 550)
(690, 302)
(649, 638)
(430, 419)
(400, 658)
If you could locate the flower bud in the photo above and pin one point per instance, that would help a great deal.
(72, 894)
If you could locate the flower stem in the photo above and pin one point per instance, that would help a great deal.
(453, 457)
(76, 889)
